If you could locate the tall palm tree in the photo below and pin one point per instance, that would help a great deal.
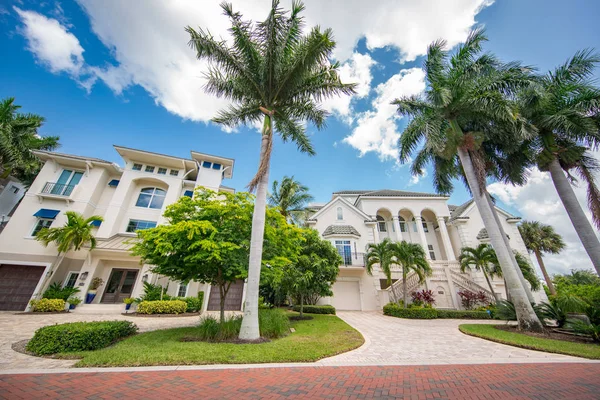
(540, 238)
(564, 107)
(73, 235)
(18, 137)
(380, 254)
(467, 93)
(273, 72)
(483, 258)
(410, 257)
(289, 196)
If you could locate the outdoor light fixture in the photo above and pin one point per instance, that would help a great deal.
(83, 276)
(145, 278)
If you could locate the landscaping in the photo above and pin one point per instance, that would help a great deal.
(316, 309)
(427, 312)
(497, 334)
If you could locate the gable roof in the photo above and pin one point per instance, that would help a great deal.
(457, 212)
(358, 211)
(340, 230)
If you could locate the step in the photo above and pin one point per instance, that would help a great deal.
(99, 309)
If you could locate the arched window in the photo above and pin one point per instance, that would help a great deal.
(151, 198)
(402, 224)
(340, 213)
(414, 224)
(381, 225)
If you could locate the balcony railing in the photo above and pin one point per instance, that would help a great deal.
(58, 189)
(351, 259)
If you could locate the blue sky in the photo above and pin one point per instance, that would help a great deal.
(106, 72)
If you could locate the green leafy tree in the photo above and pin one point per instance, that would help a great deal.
(540, 238)
(207, 239)
(482, 258)
(468, 102)
(528, 271)
(73, 235)
(380, 254)
(584, 284)
(314, 271)
(271, 71)
(290, 197)
(18, 137)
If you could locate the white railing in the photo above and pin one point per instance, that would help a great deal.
(396, 289)
(464, 282)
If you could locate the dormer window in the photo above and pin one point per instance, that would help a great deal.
(151, 198)
(206, 164)
(340, 214)
(150, 168)
(216, 166)
(137, 167)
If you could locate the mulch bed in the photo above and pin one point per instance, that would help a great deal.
(134, 314)
(41, 313)
(550, 334)
(299, 318)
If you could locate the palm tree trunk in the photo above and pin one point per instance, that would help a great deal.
(540, 261)
(301, 306)
(582, 225)
(513, 258)
(53, 267)
(249, 329)
(222, 303)
(404, 294)
(526, 316)
(487, 278)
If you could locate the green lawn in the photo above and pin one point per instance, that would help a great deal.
(490, 332)
(323, 336)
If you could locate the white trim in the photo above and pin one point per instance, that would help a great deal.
(187, 288)
(35, 264)
(68, 276)
(346, 203)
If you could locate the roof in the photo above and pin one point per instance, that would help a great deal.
(340, 230)
(387, 193)
(42, 153)
(457, 211)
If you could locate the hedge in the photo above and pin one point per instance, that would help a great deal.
(162, 307)
(316, 309)
(47, 305)
(79, 336)
(463, 314)
(395, 310)
(194, 304)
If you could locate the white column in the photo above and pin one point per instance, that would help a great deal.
(376, 233)
(446, 239)
(419, 222)
(396, 223)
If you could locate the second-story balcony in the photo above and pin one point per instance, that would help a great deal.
(353, 260)
(57, 189)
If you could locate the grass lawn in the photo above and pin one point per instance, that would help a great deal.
(490, 332)
(323, 336)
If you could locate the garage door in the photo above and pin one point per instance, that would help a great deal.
(233, 301)
(346, 295)
(17, 283)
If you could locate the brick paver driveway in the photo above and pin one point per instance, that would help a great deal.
(503, 381)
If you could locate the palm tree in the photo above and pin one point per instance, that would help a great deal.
(410, 257)
(482, 258)
(290, 197)
(540, 238)
(528, 271)
(468, 97)
(564, 107)
(272, 72)
(76, 233)
(380, 254)
(18, 137)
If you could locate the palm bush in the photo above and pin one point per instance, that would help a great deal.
(274, 323)
(56, 291)
(505, 310)
(559, 308)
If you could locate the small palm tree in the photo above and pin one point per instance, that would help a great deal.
(289, 196)
(380, 254)
(273, 72)
(410, 257)
(540, 238)
(76, 232)
(482, 258)
(528, 271)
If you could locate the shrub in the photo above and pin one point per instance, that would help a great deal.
(48, 305)
(78, 336)
(153, 293)
(56, 291)
(505, 310)
(471, 299)
(193, 304)
(162, 307)
(316, 309)
(201, 299)
(74, 301)
(129, 300)
(463, 314)
(273, 324)
(96, 283)
(394, 310)
(423, 297)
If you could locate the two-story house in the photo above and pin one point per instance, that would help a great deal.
(128, 198)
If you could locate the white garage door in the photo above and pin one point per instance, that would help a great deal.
(346, 296)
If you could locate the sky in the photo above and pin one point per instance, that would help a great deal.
(109, 72)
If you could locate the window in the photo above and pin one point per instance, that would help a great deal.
(41, 224)
(381, 225)
(162, 171)
(14, 189)
(340, 213)
(402, 224)
(71, 279)
(383, 283)
(425, 228)
(414, 225)
(66, 182)
(345, 250)
(206, 164)
(174, 172)
(216, 166)
(137, 224)
(189, 193)
(150, 168)
(431, 252)
(151, 198)
(182, 290)
(137, 167)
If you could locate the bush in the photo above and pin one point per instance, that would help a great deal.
(471, 299)
(162, 307)
(463, 314)
(193, 304)
(505, 310)
(273, 324)
(200, 300)
(56, 291)
(47, 305)
(316, 309)
(154, 293)
(394, 310)
(79, 336)
(423, 297)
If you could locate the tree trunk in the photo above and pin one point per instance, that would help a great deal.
(524, 282)
(487, 278)
(53, 267)
(404, 294)
(250, 329)
(526, 316)
(508, 298)
(582, 225)
(301, 306)
(540, 261)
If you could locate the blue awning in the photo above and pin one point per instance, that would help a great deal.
(114, 183)
(96, 223)
(188, 193)
(46, 213)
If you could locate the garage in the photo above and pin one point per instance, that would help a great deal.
(346, 295)
(17, 283)
(233, 301)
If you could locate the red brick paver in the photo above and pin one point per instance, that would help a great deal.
(490, 381)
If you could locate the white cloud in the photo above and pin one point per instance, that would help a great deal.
(414, 179)
(538, 201)
(376, 129)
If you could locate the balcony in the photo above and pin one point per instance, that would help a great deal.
(353, 260)
(57, 189)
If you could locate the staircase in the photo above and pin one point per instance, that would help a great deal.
(99, 309)
(396, 292)
(465, 283)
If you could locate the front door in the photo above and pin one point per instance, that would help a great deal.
(119, 286)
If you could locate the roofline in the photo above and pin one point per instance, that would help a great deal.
(118, 148)
(71, 156)
(212, 157)
(356, 209)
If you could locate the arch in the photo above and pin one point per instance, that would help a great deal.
(381, 224)
(384, 217)
(151, 181)
(429, 219)
(405, 216)
(151, 197)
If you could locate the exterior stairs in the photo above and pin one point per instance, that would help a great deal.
(99, 309)
(465, 283)
(395, 290)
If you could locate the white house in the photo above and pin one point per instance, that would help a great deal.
(129, 198)
(355, 218)
(11, 191)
